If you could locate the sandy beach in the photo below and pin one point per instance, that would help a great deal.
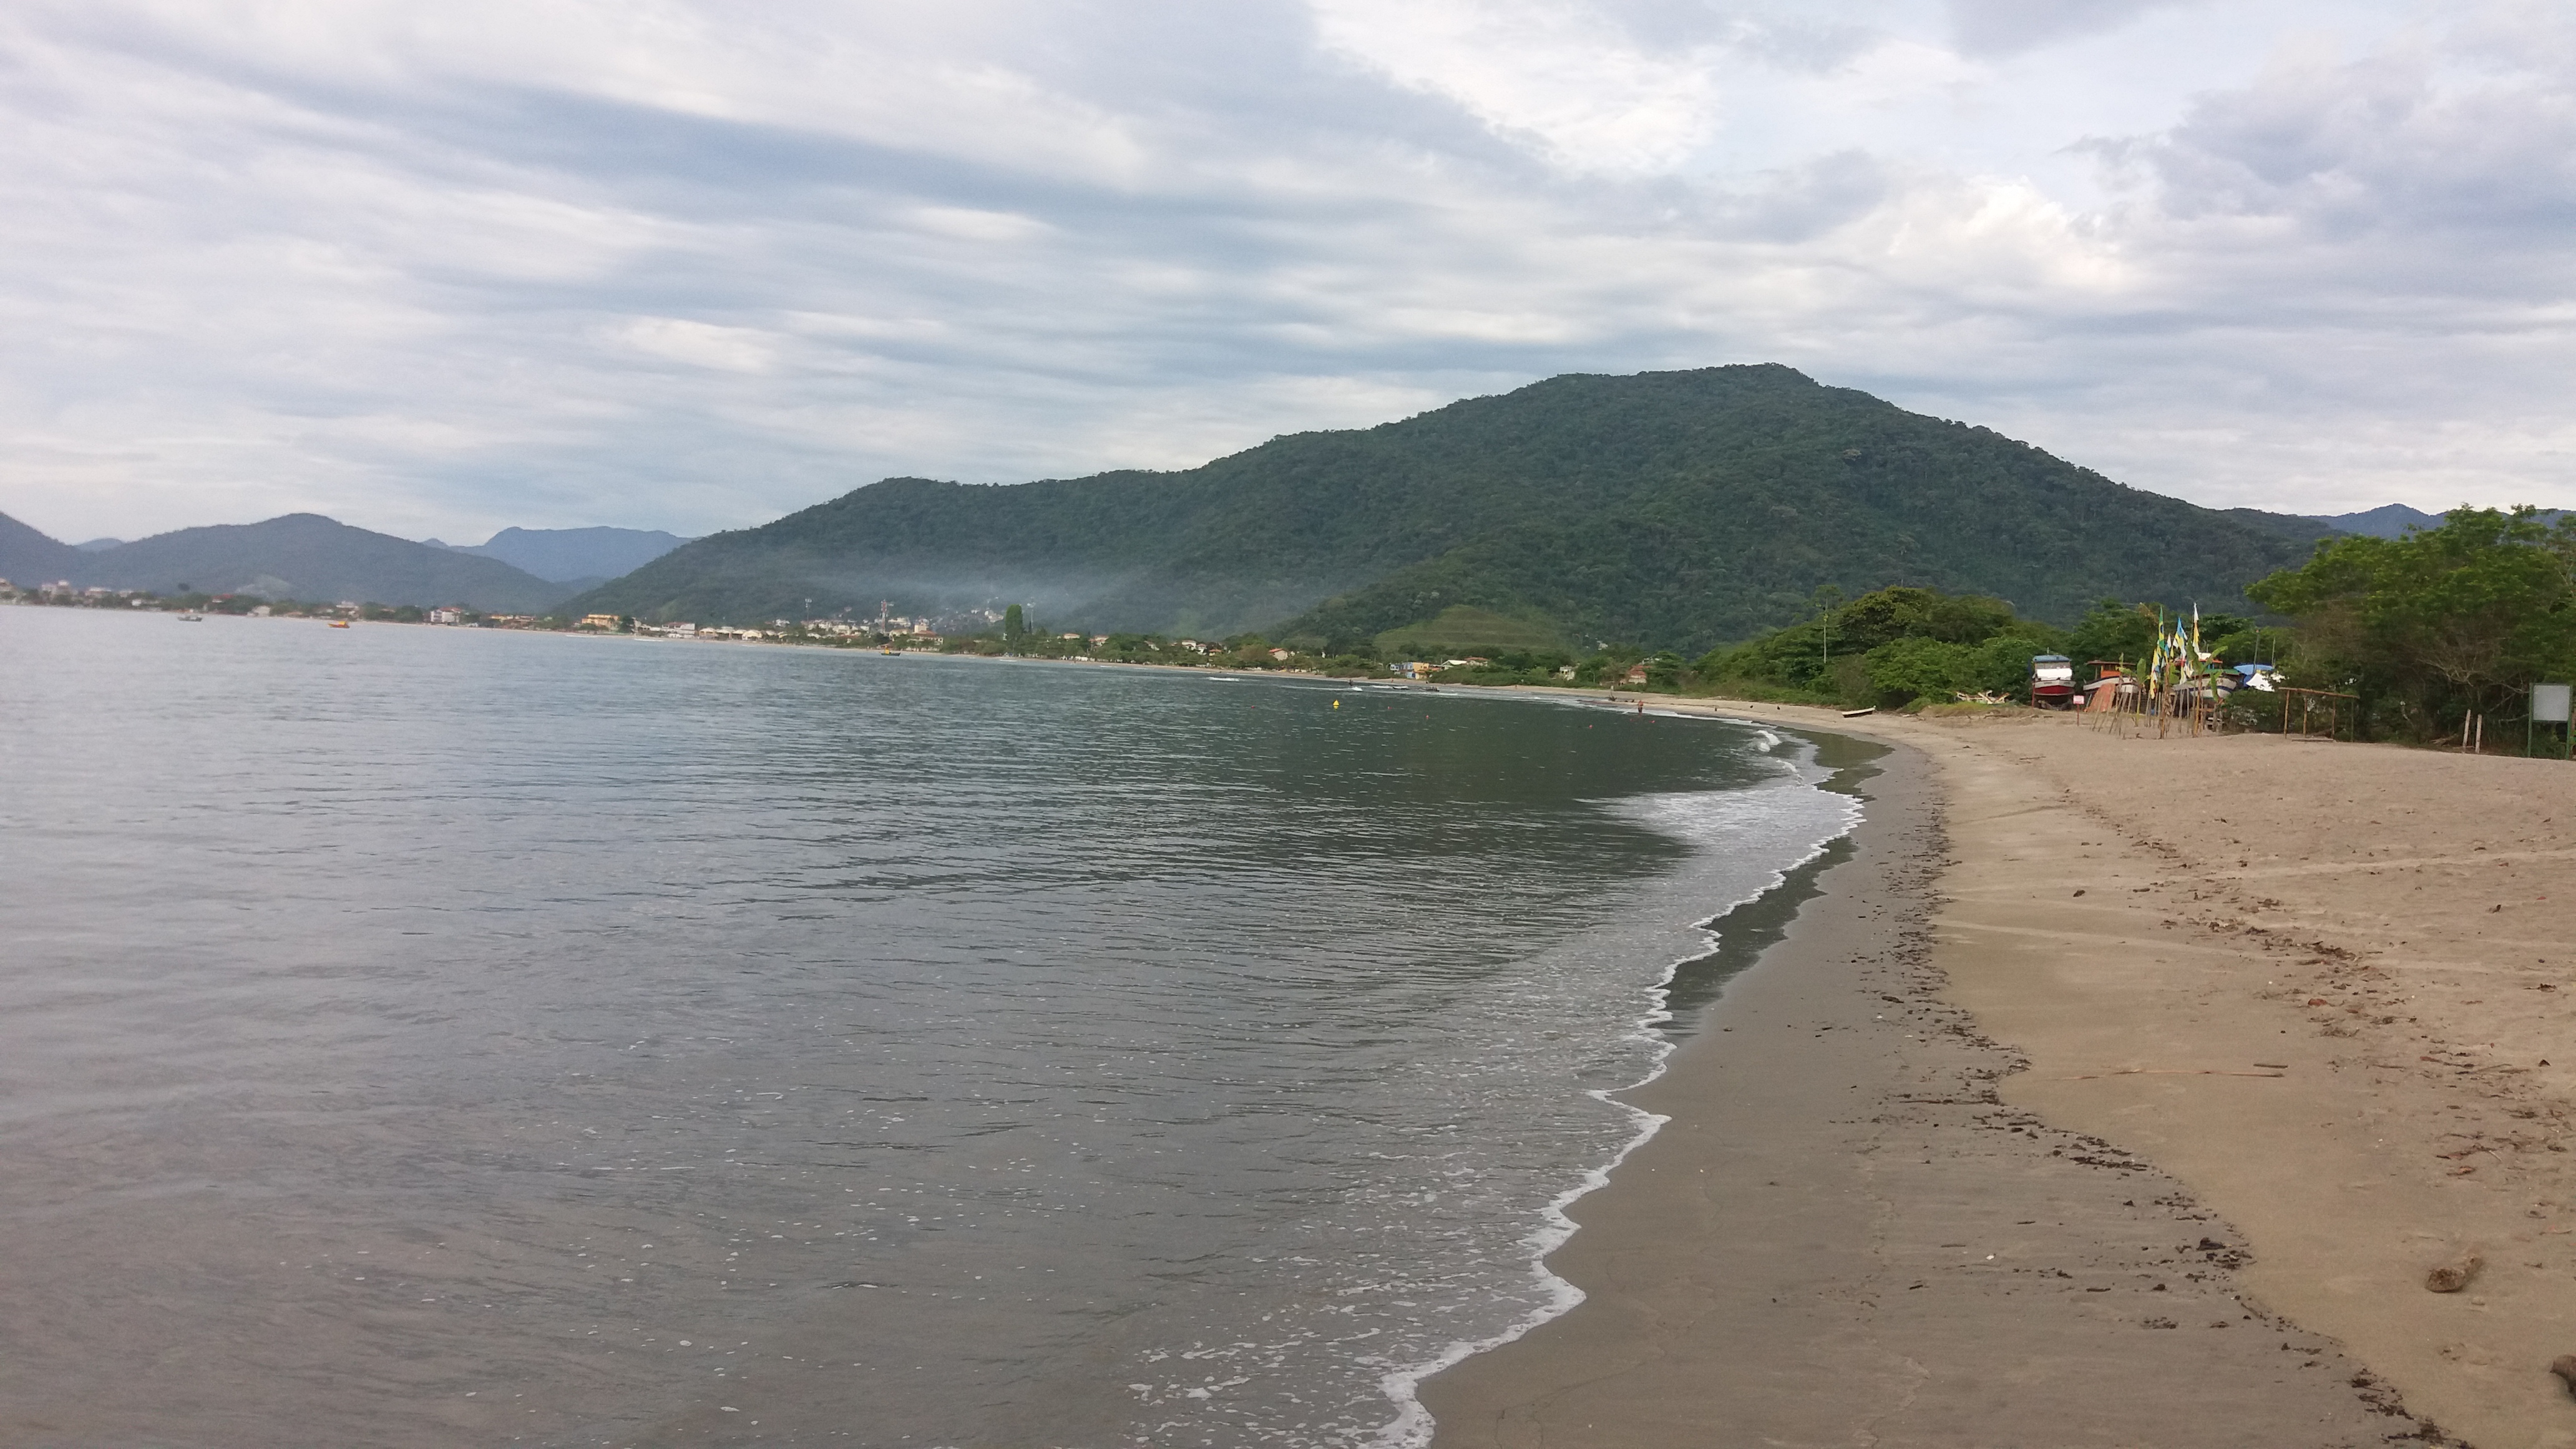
(2113, 1091)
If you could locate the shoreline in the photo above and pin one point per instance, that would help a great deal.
(1845, 1232)
(1688, 983)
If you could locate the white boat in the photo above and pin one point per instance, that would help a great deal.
(191, 616)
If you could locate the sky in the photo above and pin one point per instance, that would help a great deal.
(441, 268)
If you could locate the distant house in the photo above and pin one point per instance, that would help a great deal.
(1636, 674)
(446, 614)
(598, 621)
(1280, 654)
(681, 631)
(1097, 640)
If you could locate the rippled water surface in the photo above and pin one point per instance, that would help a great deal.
(424, 1037)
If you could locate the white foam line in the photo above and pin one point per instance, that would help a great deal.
(1412, 1426)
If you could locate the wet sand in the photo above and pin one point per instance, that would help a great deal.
(1945, 1168)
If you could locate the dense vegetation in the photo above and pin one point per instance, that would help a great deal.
(1900, 645)
(1676, 511)
(1889, 648)
(2430, 627)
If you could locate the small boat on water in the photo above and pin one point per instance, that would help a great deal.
(191, 616)
(339, 623)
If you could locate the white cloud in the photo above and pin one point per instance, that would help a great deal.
(1558, 77)
(701, 344)
(446, 268)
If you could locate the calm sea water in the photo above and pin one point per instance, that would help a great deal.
(424, 1037)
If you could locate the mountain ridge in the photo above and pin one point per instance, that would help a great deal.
(579, 558)
(296, 555)
(1678, 509)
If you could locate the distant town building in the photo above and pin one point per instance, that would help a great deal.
(598, 621)
(446, 614)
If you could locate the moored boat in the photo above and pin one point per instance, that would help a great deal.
(2052, 681)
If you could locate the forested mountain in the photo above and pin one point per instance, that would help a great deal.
(1677, 509)
(297, 556)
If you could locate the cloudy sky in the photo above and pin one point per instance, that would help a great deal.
(436, 268)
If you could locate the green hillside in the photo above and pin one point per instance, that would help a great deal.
(1462, 627)
(1675, 509)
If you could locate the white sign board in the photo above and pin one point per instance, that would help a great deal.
(2549, 703)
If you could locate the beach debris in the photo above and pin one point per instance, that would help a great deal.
(2452, 1277)
(2565, 1367)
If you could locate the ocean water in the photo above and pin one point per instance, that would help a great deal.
(422, 1037)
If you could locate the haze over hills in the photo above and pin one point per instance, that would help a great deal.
(297, 556)
(1675, 509)
(578, 557)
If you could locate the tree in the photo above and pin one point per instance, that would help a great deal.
(2457, 618)
(2113, 630)
(1014, 627)
(1915, 668)
(1975, 632)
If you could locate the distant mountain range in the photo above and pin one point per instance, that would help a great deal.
(307, 556)
(1674, 509)
(579, 557)
(298, 556)
(2391, 520)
